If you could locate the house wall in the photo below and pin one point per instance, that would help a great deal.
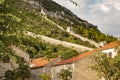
(112, 50)
(80, 69)
(83, 70)
(35, 73)
(57, 69)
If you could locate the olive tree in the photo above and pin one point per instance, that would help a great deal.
(107, 67)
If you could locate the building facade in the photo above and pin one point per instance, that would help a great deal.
(79, 65)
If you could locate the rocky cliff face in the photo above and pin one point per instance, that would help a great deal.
(51, 8)
(56, 9)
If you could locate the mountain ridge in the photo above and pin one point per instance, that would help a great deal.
(65, 18)
(61, 10)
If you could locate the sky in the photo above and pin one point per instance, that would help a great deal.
(103, 13)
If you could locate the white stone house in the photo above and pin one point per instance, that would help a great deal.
(110, 49)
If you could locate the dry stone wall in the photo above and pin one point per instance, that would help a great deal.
(77, 47)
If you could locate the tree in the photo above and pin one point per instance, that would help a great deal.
(1, 1)
(9, 21)
(22, 72)
(107, 67)
(9, 75)
(65, 74)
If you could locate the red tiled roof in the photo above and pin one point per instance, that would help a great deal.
(75, 58)
(78, 57)
(110, 45)
(40, 62)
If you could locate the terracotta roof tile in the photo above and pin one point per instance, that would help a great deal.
(75, 58)
(40, 62)
(78, 57)
(110, 45)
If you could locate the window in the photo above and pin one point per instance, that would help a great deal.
(110, 54)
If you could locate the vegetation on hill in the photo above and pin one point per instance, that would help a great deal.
(18, 20)
(10, 25)
(14, 20)
(17, 16)
(93, 34)
(37, 48)
(84, 30)
(79, 26)
(47, 28)
(29, 19)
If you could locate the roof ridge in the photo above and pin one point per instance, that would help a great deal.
(75, 58)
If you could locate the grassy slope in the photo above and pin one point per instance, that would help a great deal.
(30, 20)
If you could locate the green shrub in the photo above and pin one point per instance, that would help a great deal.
(45, 76)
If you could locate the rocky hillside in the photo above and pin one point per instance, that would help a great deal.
(55, 10)
(64, 18)
(45, 18)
